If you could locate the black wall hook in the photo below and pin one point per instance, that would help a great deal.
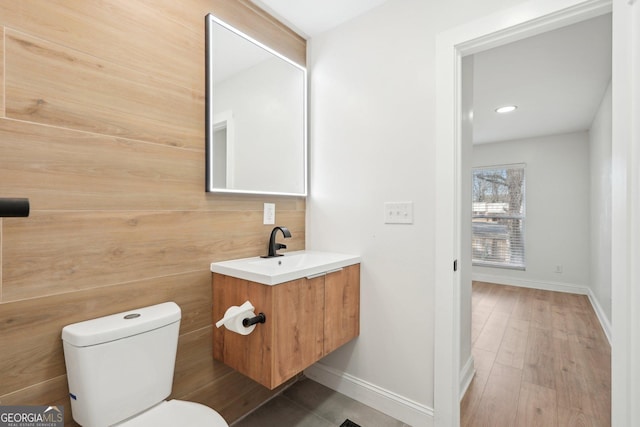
(260, 318)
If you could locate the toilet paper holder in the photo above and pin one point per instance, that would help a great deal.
(260, 318)
(14, 207)
(241, 319)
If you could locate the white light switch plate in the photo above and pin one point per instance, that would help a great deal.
(398, 213)
(269, 213)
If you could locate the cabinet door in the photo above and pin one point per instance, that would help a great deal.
(341, 307)
(298, 326)
(249, 354)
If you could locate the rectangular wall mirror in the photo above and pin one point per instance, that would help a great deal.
(256, 124)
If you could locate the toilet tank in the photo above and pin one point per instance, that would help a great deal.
(122, 364)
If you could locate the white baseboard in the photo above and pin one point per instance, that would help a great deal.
(466, 375)
(552, 286)
(604, 322)
(571, 288)
(390, 403)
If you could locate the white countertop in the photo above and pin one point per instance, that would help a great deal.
(290, 266)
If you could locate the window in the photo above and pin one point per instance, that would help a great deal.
(498, 214)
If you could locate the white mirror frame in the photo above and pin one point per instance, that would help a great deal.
(212, 125)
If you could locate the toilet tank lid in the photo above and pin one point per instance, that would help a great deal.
(121, 325)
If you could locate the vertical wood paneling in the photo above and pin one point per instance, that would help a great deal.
(54, 391)
(102, 128)
(45, 83)
(163, 37)
(136, 34)
(34, 325)
(100, 172)
(92, 249)
(2, 72)
(97, 172)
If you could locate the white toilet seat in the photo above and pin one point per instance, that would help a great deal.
(177, 413)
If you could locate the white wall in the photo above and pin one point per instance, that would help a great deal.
(600, 155)
(557, 224)
(372, 116)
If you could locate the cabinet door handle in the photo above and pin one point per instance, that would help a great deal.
(324, 273)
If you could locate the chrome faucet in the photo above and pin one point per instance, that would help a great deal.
(273, 246)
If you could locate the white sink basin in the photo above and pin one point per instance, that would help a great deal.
(290, 266)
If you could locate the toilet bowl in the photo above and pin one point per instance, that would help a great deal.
(120, 371)
(173, 413)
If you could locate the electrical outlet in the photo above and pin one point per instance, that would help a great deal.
(269, 215)
(398, 213)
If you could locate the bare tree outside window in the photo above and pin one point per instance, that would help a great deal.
(498, 216)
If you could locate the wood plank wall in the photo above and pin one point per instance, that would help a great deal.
(102, 128)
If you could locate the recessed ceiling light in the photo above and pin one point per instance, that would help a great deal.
(506, 109)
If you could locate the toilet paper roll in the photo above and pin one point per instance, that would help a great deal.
(234, 316)
(235, 323)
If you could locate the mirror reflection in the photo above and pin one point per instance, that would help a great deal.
(256, 116)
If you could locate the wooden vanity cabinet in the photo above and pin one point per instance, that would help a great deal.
(305, 320)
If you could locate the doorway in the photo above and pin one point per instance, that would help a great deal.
(560, 134)
(515, 24)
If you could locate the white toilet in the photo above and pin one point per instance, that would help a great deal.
(120, 370)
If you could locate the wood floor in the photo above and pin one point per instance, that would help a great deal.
(541, 359)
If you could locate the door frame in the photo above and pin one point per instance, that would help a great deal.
(507, 26)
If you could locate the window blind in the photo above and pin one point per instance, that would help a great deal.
(498, 216)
